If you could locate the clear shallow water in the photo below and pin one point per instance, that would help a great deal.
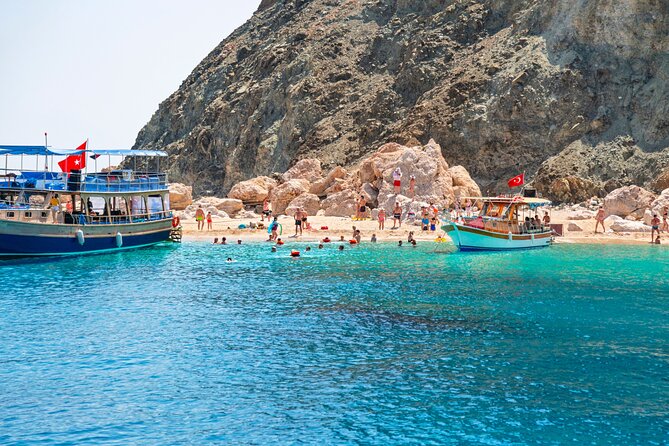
(376, 345)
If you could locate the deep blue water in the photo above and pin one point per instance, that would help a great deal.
(375, 345)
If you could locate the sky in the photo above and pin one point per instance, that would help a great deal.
(98, 69)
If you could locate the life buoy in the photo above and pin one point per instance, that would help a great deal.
(353, 242)
(176, 221)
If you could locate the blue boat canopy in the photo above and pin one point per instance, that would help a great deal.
(44, 150)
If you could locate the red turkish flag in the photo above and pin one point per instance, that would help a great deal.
(517, 180)
(74, 162)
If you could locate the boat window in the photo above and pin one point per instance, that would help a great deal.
(10, 214)
(137, 205)
(44, 214)
(28, 214)
(155, 204)
(118, 206)
(96, 205)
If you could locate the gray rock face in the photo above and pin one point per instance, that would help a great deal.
(501, 85)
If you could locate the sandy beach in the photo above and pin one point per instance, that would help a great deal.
(342, 226)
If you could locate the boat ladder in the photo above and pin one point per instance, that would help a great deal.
(176, 234)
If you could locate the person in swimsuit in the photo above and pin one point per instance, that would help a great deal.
(654, 227)
(215, 241)
(433, 224)
(397, 180)
(657, 240)
(224, 241)
(266, 209)
(298, 222)
(358, 236)
(54, 203)
(199, 218)
(274, 230)
(665, 221)
(382, 219)
(397, 216)
(412, 187)
(361, 211)
(373, 239)
(209, 228)
(410, 237)
(599, 219)
(547, 219)
(425, 218)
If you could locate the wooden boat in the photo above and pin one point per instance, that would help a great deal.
(502, 224)
(95, 212)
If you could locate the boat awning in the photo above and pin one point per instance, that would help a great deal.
(44, 150)
(531, 201)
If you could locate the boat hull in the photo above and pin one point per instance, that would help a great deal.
(467, 238)
(23, 239)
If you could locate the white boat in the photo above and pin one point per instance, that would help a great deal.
(504, 223)
(46, 213)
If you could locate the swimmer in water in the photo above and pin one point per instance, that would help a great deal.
(413, 243)
(215, 241)
(308, 248)
(273, 248)
(320, 246)
(373, 240)
(399, 243)
(239, 242)
(341, 247)
(229, 259)
(224, 241)
(341, 238)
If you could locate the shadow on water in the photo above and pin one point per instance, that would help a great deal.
(161, 249)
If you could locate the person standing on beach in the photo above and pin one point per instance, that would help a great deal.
(654, 227)
(266, 209)
(298, 222)
(397, 216)
(361, 211)
(382, 219)
(209, 227)
(412, 187)
(274, 230)
(599, 219)
(397, 180)
(665, 221)
(199, 218)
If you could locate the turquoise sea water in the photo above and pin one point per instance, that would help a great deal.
(375, 345)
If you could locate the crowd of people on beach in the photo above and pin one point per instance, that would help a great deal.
(429, 218)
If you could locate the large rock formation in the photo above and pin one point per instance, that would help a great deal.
(628, 200)
(181, 196)
(501, 85)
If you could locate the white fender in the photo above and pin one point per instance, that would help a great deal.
(532, 237)
(510, 235)
(80, 237)
(119, 240)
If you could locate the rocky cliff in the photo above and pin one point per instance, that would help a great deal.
(501, 85)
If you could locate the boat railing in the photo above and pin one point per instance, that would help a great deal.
(48, 217)
(504, 226)
(116, 181)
